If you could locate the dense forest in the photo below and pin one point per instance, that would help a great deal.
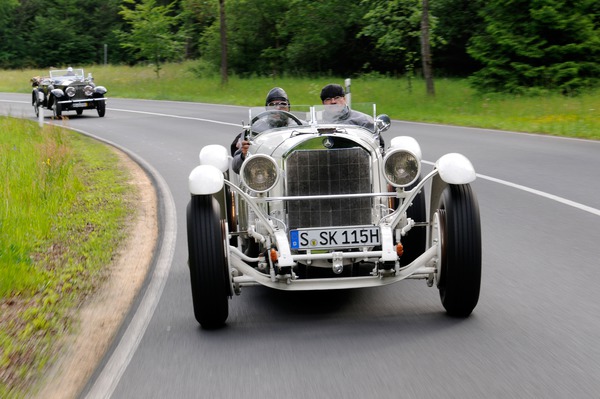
(509, 46)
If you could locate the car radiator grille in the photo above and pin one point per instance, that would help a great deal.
(335, 171)
(79, 94)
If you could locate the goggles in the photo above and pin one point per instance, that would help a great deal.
(279, 104)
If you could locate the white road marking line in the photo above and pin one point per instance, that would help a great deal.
(543, 194)
(176, 116)
(536, 192)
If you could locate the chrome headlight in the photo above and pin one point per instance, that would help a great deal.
(88, 90)
(401, 168)
(70, 91)
(260, 173)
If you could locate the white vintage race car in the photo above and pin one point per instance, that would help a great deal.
(321, 205)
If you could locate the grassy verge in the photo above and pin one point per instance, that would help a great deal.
(455, 102)
(63, 212)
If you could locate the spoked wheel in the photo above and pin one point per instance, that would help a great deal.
(101, 108)
(209, 272)
(456, 226)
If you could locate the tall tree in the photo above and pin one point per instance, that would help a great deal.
(535, 44)
(223, 32)
(426, 49)
(153, 35)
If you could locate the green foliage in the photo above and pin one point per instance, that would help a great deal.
(7, 7)
(153, 35)
(57, 32)
(537, 45)
(517, 46)
(395, 27)
(456, 22)
(195, 17)
(273, 37)
(321, 35)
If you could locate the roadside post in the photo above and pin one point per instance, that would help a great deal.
(40, 113)
(347, 83)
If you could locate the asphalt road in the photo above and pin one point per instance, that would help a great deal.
(534, 334)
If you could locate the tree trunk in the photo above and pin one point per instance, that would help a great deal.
(223, 42)
(426, 50)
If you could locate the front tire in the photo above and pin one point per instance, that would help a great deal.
(209, 272)
(101, 108)
(459, 233)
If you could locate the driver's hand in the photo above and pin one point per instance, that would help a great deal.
(244, 147)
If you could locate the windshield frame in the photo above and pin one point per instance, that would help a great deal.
(310, 115)
(63, 74)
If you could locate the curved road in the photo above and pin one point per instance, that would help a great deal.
(534, 334)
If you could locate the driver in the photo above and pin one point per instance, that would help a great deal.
(277, 99)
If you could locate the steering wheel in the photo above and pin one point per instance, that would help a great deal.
(279, 111)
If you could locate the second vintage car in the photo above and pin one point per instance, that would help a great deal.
(320, 205)
(67, 90)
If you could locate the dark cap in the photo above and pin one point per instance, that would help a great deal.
(276, 93)
(332, 90)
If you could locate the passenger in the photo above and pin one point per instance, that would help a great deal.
(276, 99)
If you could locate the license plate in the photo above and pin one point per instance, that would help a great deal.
(339, 237)
(79, 105)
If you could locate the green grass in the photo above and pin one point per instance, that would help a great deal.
(63, 212)
(454, 103)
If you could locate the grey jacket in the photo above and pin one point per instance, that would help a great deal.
(353, 117)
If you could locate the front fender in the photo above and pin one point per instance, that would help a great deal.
(455, 168)
(215, 155)
(57, 93)
(205, 180)
(451, 168)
